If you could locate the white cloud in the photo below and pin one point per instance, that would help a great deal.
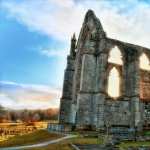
(128, 21)
(55, 18)
(16, 95)
(54, 52)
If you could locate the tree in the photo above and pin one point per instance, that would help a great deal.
(36, 117)
(2, 113)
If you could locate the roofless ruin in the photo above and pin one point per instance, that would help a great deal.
(105, 80)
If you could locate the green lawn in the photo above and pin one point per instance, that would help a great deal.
(66, 145)
(43, 135)
(125, 145)
(31, 138)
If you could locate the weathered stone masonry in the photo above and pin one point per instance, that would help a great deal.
(85, 100)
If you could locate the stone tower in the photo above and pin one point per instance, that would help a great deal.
(85, 100)
(66, 100)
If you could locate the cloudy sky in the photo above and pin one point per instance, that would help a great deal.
(35, 37)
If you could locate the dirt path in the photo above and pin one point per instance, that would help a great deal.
(39, 144)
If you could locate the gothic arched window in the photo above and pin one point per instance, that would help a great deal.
(115, 56)
(114, 83)
(144, 62)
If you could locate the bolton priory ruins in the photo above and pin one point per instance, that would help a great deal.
(86, 100)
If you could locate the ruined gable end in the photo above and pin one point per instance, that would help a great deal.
(105, 81)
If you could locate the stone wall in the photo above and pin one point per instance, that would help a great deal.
(85, 100)
(145, 85)
(117, 112)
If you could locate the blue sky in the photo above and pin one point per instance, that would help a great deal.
(35, 37)
(21, 58)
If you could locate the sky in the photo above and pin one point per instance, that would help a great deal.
(35, 40)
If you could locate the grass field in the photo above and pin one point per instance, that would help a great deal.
(42, 135)
(11, 129)
(66, 145)
(125, 145)
(31, 138)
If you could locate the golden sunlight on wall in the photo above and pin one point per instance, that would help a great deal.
(115, 56)
(114, 83)
(144, 62)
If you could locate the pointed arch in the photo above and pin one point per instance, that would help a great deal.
(144, 62)
(114, 83)
(115, 56)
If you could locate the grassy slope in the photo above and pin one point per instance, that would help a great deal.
(125, 145)
(65, 145)
(42, 135)
(31, 138)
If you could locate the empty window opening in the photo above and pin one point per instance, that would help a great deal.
(144, 62)
(114, 83)
(115, 56)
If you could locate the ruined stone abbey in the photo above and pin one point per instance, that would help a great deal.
(105, 81)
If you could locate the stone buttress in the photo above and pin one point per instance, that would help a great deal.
(66, 100)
